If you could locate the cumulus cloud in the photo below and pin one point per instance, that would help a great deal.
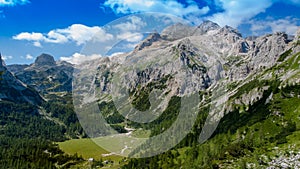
(134, 23)
(130, 37)
(237, 12)
(37, 44)
(13, 2)
(77, 33)
(6, 57)
(232, 12)
(29, 36)
(164, 6)
(127, 30)
(288, 25)
(78, 58)
(29, 57)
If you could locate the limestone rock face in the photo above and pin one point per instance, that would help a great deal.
(177, 31)
(148, 41)
(205, 27)
(265, 50)
(209, 53)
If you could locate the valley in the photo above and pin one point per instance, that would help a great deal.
(159, 95)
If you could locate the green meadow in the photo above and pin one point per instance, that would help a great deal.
(87, 149)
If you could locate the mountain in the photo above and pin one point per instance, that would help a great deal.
(248, 88)
(256, 80)
(211, 54)
(205, 27)
(30, 124)
(45, 74)
(13, 90)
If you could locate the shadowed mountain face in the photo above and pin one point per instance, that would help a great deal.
(45, 75)
(12, 89)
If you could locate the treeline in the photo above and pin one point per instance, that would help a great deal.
(25, 153)
(26, 137)
(242, 138)
(61, 107)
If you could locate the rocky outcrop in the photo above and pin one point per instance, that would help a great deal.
(177, 31)
(291, 161)
(208, 51)
(205, 27)
(154, 37)
(44, 59)
(266, 50)
(1, 62)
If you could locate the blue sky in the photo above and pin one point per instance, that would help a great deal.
(61, 28)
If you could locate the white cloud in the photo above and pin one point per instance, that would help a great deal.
(29, 57)
(163, 6)
(134, 23)
(29, 36)
(288, 25)
(6, 57)
(130, 37)
(116, 54)
(81, 33)
(13, 2)
(237, 12)
(77, 33)
(37, 44)
(78, 58)
(127, 30)
(55, 37)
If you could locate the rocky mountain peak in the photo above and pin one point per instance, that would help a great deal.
(153, 37)
(44, 59)
(230, 30)
(177, 31)
(207, 26)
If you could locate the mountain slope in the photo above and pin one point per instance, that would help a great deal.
(260, 76)
(12, 89)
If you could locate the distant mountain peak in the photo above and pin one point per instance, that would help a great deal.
(207, 26)
(230, 30)
(153, 37)
(44, 59)
(177, 31)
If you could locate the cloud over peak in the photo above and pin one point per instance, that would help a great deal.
(78, 58)
(224, 12)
